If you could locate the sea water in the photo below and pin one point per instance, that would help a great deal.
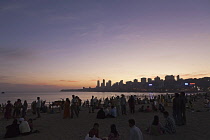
(55, 96)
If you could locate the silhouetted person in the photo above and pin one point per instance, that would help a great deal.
(131, 102)
(38, 107)
(25, 106)
(17, 108)
(12, 130)
(176, 109)
(183, 101)
(114, 135)
(169, 126)
(123, 104)
(94, 131)
(74, 108)
(155, 128)
(8, 110)
(135, 132)
(101, 114)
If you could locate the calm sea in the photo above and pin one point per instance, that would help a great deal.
(54, 96)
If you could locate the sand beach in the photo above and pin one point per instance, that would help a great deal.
(54, 127)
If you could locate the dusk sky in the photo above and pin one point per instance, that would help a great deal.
(55, 44)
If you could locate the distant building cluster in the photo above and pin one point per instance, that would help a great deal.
(171, 83)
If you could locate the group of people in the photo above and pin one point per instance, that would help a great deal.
(20, 127)
(72, 107)
(19, 109)
(135, 132)
(156, 128)
(179, 108)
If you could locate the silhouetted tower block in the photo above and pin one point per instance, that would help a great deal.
(177, 77)
(98, 83)
(149, 80)
(143, 80)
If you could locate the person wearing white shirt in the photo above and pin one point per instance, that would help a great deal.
(135, 132)
(24, 127)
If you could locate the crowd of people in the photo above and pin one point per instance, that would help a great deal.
(18, 112)
(112, 107)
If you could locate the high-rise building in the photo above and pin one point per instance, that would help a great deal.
(149, 80)
(109, 83)
(169, 78)
(143, 80)
(177, 77)
(103, 83)
(121, 83)
(98, 83)
(157, 79)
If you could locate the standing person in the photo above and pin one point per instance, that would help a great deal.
(176, 109)
(24, 110)
(135, 132)
(169, 124)
(123, 104)
(74, 106)
(114, 135)
(8, 112)
(131, 102)
(91, 109)
(183, 101)
(66, 113)
(118, 106)
(17, 108)
(33, 107)
(38, 107)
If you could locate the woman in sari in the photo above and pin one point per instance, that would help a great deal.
(66, 113)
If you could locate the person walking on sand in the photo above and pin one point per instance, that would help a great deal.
(38, 106)
(135, 132)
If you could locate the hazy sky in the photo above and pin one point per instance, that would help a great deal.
(51, 44)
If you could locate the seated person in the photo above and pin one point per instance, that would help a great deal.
(106, 110)
(94, 131)
(155, 128)
(154, 108)
(101, 114)
(12, 130)
(114, 135)
(169, 124)
(30, 123)
(24, 127)
(113, 112)
(148, 109)
(161, 108)
(141, 109)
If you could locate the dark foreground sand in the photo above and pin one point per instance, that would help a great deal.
(53, 127)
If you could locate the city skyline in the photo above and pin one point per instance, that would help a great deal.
(171, 83)
(51, 45)
(144, 80)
